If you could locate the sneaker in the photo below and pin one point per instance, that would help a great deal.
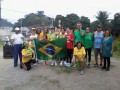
(35, 64)
(61, 63)
(37, 61)
(88, 65)
(68, 65)
(81, 72)
(103, 67)
(52, 63)
(64, 62)
(107, 69)
(55, 63)
(21, 67)
(74, 65)
(100, 65)
(96, 65)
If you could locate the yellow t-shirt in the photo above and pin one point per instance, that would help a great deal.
(41, 36)
(25, 52)
(79, 52)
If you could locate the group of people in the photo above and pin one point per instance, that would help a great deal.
(78, 46)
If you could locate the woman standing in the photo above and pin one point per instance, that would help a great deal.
(79, 53)
(70, 46)
(44, 36)
(31, 40)
(62, 35)
(53, 36)
(88, 45)
(107, 50)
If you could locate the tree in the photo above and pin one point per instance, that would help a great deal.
(32, 19)
(94, 25)
(71, 20)
(103, 18)
(85, 22)
(116, 24)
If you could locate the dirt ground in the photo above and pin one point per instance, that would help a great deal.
(58, 78)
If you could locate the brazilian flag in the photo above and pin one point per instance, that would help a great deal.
(47, 50)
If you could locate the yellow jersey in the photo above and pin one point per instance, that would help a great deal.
(79, 52)
(26, 52)
(43, 36)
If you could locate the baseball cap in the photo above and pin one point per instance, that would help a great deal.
(17, 29)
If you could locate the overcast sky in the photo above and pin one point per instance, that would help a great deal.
(12, 10)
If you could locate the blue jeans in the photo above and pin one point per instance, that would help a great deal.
(17, 51)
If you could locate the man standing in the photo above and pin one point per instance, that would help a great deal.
(98, 36)
(17, 41)
(79, 34)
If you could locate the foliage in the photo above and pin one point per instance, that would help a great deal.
(34, 19)
(103, 18)
(71, 20)
(117, 47)
(85, 22)
(4, 22)
(1, 42)
(115, 24)
(94, 25)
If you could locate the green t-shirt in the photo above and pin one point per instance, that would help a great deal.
(78, 37)
(88, 40)
(52, 36)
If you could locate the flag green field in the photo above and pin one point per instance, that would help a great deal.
(49, 50)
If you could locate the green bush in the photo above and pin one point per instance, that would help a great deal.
(1, 42)
(117, 48)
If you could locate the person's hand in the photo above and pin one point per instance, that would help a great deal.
(81, 59)
(111, 53)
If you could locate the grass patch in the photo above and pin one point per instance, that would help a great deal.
(62, 69)
(1, 43)
(116, 54)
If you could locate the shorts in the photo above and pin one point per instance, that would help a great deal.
(97, 51)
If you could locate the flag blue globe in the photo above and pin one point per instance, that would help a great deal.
(50, 50)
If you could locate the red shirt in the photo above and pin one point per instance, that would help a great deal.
(70, 38)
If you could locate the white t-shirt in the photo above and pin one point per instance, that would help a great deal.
(17, 38)
(33, 36)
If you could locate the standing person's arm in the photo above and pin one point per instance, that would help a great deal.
(101, 45)
(82, 33)
(12, 40)
(71, 37)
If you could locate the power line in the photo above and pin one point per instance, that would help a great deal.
(12, 10)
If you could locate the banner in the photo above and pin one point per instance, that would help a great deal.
(49, 50)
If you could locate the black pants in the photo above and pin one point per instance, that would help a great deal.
(106, 61)
(69, 55)
(27, 65)
(88, 53)
(62, 59)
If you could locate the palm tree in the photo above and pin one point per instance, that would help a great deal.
(103, 18)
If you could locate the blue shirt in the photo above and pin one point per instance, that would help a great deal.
(97, 39)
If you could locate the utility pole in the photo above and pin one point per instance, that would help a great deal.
(0, 14)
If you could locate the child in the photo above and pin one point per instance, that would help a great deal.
(79, 53)
(28, 56)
